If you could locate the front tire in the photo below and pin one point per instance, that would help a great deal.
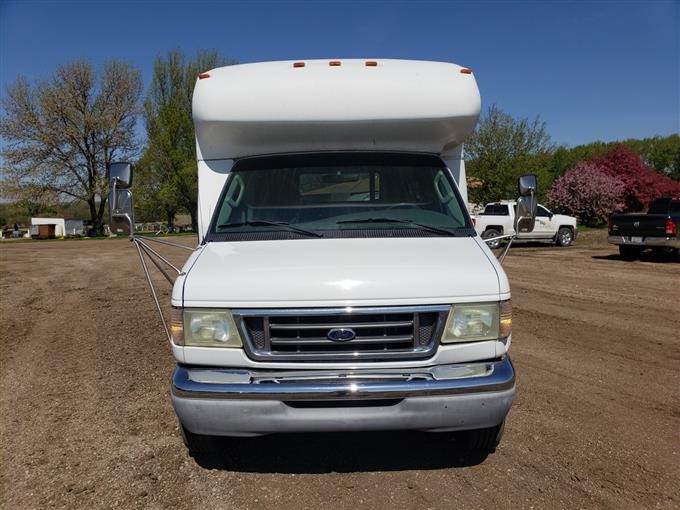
(477, 441)
(564, 237)
(629, 252)
(488, 234)
(197, 444)
(485, 440)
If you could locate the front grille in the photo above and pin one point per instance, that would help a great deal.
(345, 334)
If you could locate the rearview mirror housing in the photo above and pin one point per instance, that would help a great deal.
(525, 214)
(120, 172)
(121, 211)
(526, 185)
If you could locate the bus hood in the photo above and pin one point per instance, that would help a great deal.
(341, 272)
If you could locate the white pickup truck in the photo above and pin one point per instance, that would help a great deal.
(498, 219)
(338, 283)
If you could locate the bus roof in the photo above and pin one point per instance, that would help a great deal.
(314, 105)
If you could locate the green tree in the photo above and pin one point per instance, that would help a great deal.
(501, 149)
(61, 134)
(167, 169)
(660, 153)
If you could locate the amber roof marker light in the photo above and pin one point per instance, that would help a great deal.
(298, 64)
(202, 76)
(334, 63)
(465, 70)
(371, 63)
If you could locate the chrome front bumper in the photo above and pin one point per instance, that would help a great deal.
(646, 242)
(234, 402)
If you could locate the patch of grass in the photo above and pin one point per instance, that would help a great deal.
(599, 228)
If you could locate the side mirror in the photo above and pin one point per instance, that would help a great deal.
(121, 211)
(526, 185)
(121, 172)
(525, 214)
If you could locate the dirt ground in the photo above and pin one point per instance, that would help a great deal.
(86, 419)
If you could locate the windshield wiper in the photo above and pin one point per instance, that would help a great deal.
(411, 223)
(264, 223)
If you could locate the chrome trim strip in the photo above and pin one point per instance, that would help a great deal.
(366, 340)
(197, 383)
(653, 242)
(274, 312)
(354, 325)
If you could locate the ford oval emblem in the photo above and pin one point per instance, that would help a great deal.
(341, 334)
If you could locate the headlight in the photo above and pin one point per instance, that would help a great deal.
(204, 328)
(478, 321)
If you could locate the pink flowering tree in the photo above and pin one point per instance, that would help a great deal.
(641, 183)
(588, 192)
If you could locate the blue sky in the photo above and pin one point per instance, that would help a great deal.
(591, 70)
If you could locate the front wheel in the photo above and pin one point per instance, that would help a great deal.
(564, 237)
(485, 440)
(490, 233)
(482, 441)
(629, 252)
(197, 444)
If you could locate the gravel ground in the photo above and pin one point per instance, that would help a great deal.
(86, 419)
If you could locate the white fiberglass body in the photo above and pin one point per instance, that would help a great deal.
(307, 273)
(338, 264)
(275, 107)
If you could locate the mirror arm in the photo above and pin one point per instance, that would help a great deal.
(501, 258)
(112, 185)
(153, 290)
(512, 237)
(156, 263)
(168, 243)
(151, 251)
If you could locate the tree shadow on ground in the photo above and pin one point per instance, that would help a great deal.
(339, 453)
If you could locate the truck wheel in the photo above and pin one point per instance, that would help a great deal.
(478, 440)
(629, 252)
(564, 237)
(197, 444)
(488, 234)
(485, 440)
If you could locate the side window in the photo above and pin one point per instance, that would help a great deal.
(542, 212)
(497, 210)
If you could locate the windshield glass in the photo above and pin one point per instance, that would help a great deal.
(339, 194)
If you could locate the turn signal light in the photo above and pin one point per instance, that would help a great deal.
(506, 319)
(177, 326)
(671, 228)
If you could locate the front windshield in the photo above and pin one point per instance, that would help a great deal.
(340, 195)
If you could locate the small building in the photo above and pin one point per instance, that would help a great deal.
(58, 227)
(74, 227)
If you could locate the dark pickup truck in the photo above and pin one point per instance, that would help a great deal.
(658, 229)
